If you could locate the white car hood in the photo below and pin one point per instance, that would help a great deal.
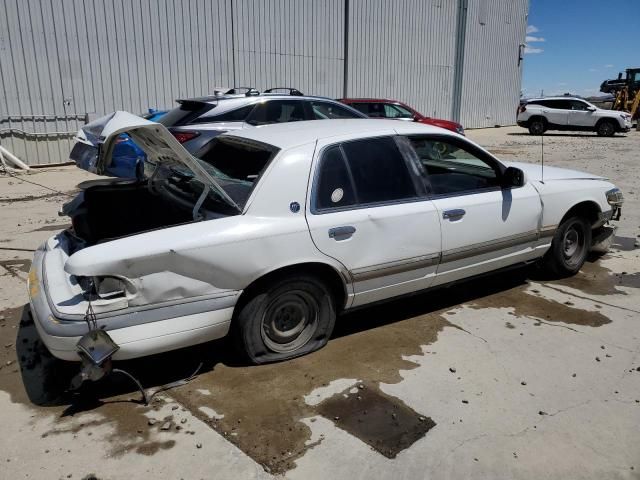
(533, 172)
(157, 142)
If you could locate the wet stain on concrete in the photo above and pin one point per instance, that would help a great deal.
(625, 244)
(595, 279)
(262, 407)
(53, 228)
(383, 422)
(151, 448)
(12, 267)
(535, 306)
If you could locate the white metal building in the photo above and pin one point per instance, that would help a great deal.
(64, 60)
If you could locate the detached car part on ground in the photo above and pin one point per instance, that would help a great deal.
(289, 225)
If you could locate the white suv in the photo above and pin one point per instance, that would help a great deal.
(567, 113)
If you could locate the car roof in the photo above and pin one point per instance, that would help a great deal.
(555, 98)
(213, 99)
(293, 134)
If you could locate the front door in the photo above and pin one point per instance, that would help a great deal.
(580, 115)
(484, 226)
(369, 210)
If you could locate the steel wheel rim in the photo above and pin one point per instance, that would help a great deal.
(289, 321)
(573, 244)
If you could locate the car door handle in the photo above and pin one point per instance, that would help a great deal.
(454, 214)
(341, 233)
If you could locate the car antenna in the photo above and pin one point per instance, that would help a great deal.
(542, 157)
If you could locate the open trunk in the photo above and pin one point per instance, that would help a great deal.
(117, 210)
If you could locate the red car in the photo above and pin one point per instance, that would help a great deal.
(383, 108)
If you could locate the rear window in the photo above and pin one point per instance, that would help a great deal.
(238, 159)
(186, 112)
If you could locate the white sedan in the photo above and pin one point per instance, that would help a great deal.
(278, 229)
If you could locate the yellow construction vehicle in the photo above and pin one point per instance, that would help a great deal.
(626, 92)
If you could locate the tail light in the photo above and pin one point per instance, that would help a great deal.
(522, 108)
(183, 136)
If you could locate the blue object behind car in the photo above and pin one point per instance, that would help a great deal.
(127, 157)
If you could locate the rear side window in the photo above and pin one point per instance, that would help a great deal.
(379, 170)
(327, 111)
(237, 115)
(335, 188)
(277, 111)
(186, 112)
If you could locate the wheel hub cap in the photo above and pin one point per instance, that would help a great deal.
(289, 321)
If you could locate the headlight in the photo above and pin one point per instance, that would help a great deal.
(614, 197)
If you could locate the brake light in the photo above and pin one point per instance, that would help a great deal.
(522, 108)
(183, 137)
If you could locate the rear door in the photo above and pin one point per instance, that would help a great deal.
(368, 209)
(557, 111)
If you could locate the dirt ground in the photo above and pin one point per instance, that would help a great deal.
(512, 376)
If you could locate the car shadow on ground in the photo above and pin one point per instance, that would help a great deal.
(577, 134)
(46, 379)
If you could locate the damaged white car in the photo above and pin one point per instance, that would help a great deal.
(280, 228)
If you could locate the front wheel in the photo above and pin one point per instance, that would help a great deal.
(292, 317)
(606, 129)
(569, 247)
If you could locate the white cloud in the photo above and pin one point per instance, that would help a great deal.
(528, 49)
(530, 38)
(532, 29)
(593, 69)
(608, 65)
(562, 84)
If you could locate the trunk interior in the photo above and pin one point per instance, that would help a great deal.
(112, 211)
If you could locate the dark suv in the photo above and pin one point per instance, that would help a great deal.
(198, 120)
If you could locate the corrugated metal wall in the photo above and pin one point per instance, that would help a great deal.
(290, 43)
(403, 50)
(61, 60)
(492, 73)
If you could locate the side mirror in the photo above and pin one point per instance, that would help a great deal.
(512, 177)
(591, 109)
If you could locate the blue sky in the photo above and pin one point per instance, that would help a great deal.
(573, 45)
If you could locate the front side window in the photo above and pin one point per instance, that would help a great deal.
(327, 111)
(396, 111)
(578, 105)
(453, 169)
(277, 111)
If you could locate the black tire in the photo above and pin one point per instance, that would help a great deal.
(289, 318)
(537, 126)
(569, 247)
(606, 128)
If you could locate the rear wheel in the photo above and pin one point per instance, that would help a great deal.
(569, 247)
(292, 317)
(537, 126)
(606, 128)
